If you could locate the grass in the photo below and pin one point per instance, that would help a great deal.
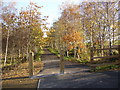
(17, 61)
(106, 67)
(41, 52)
(82, 61)
(38, 54)
(54, 51)
(8, 64)
(96, 69)
(70, 58)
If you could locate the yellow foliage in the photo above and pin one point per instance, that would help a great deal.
(70, 47)
(79, 51)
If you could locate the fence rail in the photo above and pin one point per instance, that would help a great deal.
(107, 49)
(105, 57)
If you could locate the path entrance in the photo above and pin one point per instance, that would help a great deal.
(76, 75)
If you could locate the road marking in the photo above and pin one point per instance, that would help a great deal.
(38, 85)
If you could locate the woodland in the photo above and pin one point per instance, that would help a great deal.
(80, 27)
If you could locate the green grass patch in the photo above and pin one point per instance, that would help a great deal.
(10, 64)
(106, 67)
(41, 52)
(54, 51)
(82, 61)
(70, 58)
(38, 54)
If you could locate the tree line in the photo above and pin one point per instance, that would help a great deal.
(22, 30)
(80, 27)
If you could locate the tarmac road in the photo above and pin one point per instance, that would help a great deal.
(78, 75)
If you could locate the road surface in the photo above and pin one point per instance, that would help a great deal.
(76, 75)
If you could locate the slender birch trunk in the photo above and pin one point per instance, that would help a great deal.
(6, 52)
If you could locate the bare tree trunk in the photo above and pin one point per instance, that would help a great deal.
(78, 53)
(19, 55)
(62, 61)
(27, 52)
(6, 47)
(107, 11)
(30, 66)
(52, 44)
(11, 59)
(74, 52)
(113, 32)
(67, 53)
(14, 59)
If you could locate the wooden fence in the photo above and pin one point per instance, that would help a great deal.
(105, 57)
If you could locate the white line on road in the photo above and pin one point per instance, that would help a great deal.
(38, 85)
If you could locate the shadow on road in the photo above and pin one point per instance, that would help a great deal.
(78, 77)
(83, 79)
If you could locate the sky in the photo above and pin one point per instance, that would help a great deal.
(50, 7)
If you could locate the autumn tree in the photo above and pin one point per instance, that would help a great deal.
(99, 30)
(93, 24)
(33, 23)
(22, 31)
(8, 21)
(67, 30)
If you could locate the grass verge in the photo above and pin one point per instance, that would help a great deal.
(105, 68)
(54, 51)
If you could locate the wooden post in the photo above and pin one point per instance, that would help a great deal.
(91, 54)
(119, 51)
(30, 58)
(62, 62)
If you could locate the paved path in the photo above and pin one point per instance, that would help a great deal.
(76, 76)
